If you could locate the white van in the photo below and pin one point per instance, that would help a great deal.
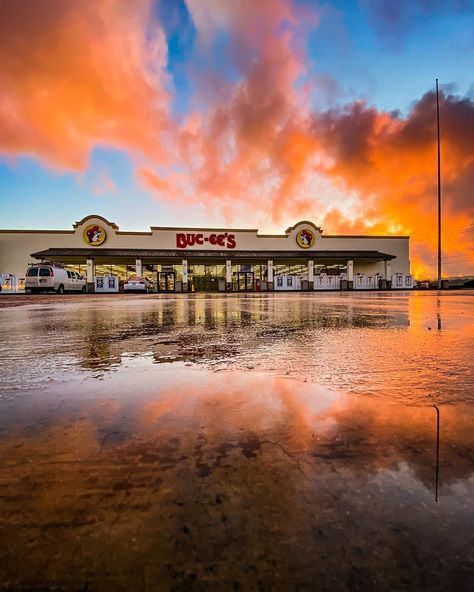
(47, 277)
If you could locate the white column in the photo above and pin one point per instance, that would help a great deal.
(138, 267)
(185, 275)
(90, 271)
(310, 270)
(270, 271)
(228, 271)
(387, 270)
(350, 270)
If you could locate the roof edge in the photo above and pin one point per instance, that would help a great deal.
(186, 228)
(210, 254)
(308, 222)
(114, 226)
(366, 236)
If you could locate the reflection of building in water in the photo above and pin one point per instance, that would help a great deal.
(239, 260)
(399, 320)
(95, 352)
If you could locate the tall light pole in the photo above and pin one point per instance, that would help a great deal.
(439, 190)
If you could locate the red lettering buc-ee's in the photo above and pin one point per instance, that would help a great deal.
(184, 240)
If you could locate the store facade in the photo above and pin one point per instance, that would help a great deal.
(210, 259)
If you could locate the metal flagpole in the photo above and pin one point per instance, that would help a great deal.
(439, 190)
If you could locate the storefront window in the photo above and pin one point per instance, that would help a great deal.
(205, 278)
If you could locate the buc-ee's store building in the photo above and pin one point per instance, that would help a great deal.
(214, 259)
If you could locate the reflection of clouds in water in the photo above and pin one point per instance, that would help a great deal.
(324, 427)
(183, 469)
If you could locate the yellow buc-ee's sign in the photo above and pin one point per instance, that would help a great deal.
(305, 238)
(94, 235)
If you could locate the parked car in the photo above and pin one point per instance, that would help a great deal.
(50, 277)
(138, 284)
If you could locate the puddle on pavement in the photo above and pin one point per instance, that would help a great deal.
(185, 479)
(403, 347)
(297, 451)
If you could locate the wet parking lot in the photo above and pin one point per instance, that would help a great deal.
(243, 442)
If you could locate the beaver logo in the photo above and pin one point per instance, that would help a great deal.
(94, 235)
(305, 238)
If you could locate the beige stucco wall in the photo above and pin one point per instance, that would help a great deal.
(16, 246)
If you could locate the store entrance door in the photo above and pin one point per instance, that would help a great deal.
(245, 281)
(166, 281)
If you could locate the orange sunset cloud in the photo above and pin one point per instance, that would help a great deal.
(77, 74)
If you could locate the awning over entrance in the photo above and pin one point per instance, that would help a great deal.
(117, 254)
